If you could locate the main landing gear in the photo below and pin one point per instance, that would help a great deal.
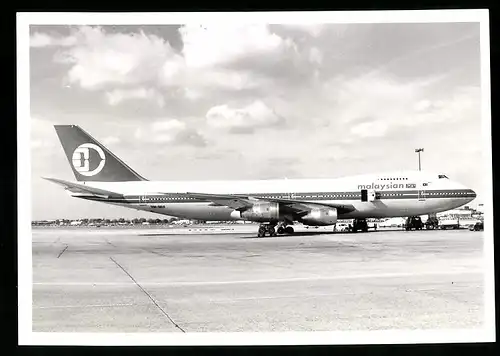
(266, 229)
(271, 230)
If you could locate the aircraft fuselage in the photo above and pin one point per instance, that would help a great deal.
(397, 194)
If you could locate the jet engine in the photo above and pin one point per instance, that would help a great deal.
(320, 217)
(261, 212)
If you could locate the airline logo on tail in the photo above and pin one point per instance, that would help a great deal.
(81, 159)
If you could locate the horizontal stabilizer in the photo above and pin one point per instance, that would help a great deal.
(81, 189)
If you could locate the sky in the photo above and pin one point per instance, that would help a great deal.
(255, 101)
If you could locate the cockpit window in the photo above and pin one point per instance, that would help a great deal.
(442, 176)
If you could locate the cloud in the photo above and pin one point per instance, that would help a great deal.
(110, 140)
(459, 106)
(313, 29)
(170, 132)
(224, 57)
(422, 105)
(42, 133)
(170, 126)
(192, 94)
(117, 96)
(98, 58)
(215, 45)
(44, 40)
(315, 55)
(242, 120)
(370, 129)
(380, 98)
(177, 74)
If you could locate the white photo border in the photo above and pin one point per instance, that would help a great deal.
(26, 336)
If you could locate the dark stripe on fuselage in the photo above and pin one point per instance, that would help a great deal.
(314, 196)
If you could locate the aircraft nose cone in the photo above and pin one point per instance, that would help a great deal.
(470, 195)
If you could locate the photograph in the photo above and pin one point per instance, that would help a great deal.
(255, 178)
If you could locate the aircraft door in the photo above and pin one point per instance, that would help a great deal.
(143, 200)
(422, 193)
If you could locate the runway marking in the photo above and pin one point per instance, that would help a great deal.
(227, 300)
(108, 242)
(60, 253)
(149, 295)
(84, 306)
(298, 279)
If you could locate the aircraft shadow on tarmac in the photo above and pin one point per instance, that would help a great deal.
(307, 233)
(246, 236)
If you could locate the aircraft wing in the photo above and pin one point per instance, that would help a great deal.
(243, 202)
(237, 202)
(82, 190)
(306, 206)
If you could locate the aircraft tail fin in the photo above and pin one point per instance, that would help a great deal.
(90, 160)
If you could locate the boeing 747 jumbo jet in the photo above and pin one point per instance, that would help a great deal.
(276, 204)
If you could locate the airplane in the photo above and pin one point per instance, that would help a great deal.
(276, 204)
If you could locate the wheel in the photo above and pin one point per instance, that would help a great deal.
(271, 230)
(289, 230)
(281, 230)
(262, 232)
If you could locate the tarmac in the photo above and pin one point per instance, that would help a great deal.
(225, 279)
